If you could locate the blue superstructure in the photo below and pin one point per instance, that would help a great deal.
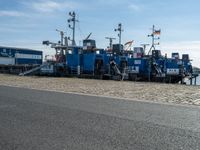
(119, 63)
(131, 65)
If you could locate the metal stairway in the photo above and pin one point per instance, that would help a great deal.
(32, 70)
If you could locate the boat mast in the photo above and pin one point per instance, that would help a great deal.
(119, 34)
(154, 38)
(73, 26)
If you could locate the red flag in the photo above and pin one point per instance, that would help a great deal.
(129, 42)
(157, 32)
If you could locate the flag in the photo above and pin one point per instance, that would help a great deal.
(129, 43)
(157, 32)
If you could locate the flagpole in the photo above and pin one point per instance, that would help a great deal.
(153, 39)
(154, 32)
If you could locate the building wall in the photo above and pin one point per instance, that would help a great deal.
(21, 56)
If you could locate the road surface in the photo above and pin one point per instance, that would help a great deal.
(42, 120)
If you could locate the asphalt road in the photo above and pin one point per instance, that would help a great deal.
(39, 120)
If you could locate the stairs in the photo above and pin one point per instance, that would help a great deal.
(32, 70)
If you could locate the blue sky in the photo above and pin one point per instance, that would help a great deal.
(26, 23)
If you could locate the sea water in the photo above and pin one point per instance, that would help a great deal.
(198, 81)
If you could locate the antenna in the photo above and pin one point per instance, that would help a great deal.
(73, 26)
(154, 37)
(120, 32)
(110, 41)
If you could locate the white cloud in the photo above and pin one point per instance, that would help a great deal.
(17, 28)
(51, 6)
(11, 13)
(110, 2)
(134, 7)
(184, 47)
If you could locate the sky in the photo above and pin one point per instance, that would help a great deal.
(26, 23)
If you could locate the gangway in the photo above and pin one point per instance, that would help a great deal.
(32, 70)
